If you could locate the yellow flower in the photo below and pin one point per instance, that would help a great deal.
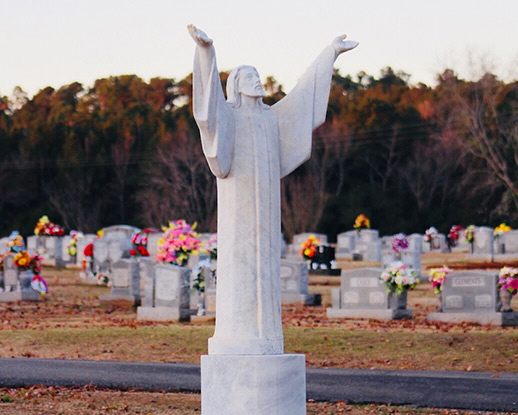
(502, 228)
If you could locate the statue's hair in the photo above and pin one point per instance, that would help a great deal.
(233, 94)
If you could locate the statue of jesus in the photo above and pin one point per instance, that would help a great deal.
(249, 147)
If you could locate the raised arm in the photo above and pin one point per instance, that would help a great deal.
(340, 45)
(199, 36)
(305, 106)
(210, 109)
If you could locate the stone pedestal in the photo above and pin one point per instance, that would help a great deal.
(162, 314)
(489, 318)
(253, 384)
(13, 296)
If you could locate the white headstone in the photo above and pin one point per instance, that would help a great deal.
(100, 250)
(346, 242)
(483, 241)
(300, 238)
(510, 240)
(152, 244)
(415, 242)
(170, 293)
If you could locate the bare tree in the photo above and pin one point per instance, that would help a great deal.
(80, 205)
(431, 171)
(306, 191)
(180, 186)
(485, 118)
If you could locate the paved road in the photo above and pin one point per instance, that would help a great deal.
(459, 390)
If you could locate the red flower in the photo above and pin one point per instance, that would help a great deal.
(89, 250)
(143, 251)
(514, 284)
(133, 252)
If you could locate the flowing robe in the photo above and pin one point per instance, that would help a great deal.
(249, 152)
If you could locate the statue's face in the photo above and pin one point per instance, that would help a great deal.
(249, 83)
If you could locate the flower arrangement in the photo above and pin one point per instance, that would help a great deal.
(469, 234)
(22, 260)
(45, 227)
(72, 244)
(429, 234)
(508, 280)
(501, 229)
(139, 251)
(198, 281)
(399, 277)
(178, 242)
(399, 242)
(103, 279)
(211, 246)
(39, 284)
(140, 240)
(437, 277)
(89, 250)
(15, 243)
(309, 247)
(361, 222)
(454, 234)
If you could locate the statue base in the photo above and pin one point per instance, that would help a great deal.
(253, 384)
(490, 318)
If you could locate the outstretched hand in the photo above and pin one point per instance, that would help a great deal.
(341, 45)
(199, 36)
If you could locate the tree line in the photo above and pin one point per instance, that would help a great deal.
(128, 151)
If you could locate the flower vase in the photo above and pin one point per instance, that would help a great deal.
(505, 298)
(439, 297)
(24, 279)
(397, 302)
(201, 303)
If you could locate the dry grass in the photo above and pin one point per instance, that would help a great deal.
(91, 401)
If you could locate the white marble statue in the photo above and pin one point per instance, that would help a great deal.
(249, 147)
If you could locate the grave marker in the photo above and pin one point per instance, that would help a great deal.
(16, 285)
(294, 284)
(171, 294)
(362, 295)
(125, 279)
(472, 296)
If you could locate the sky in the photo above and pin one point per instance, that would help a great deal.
(57, 42)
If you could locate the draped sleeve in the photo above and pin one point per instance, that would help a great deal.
(212, 113)
(303, 110)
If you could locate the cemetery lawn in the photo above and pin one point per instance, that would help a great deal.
(69, 323)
